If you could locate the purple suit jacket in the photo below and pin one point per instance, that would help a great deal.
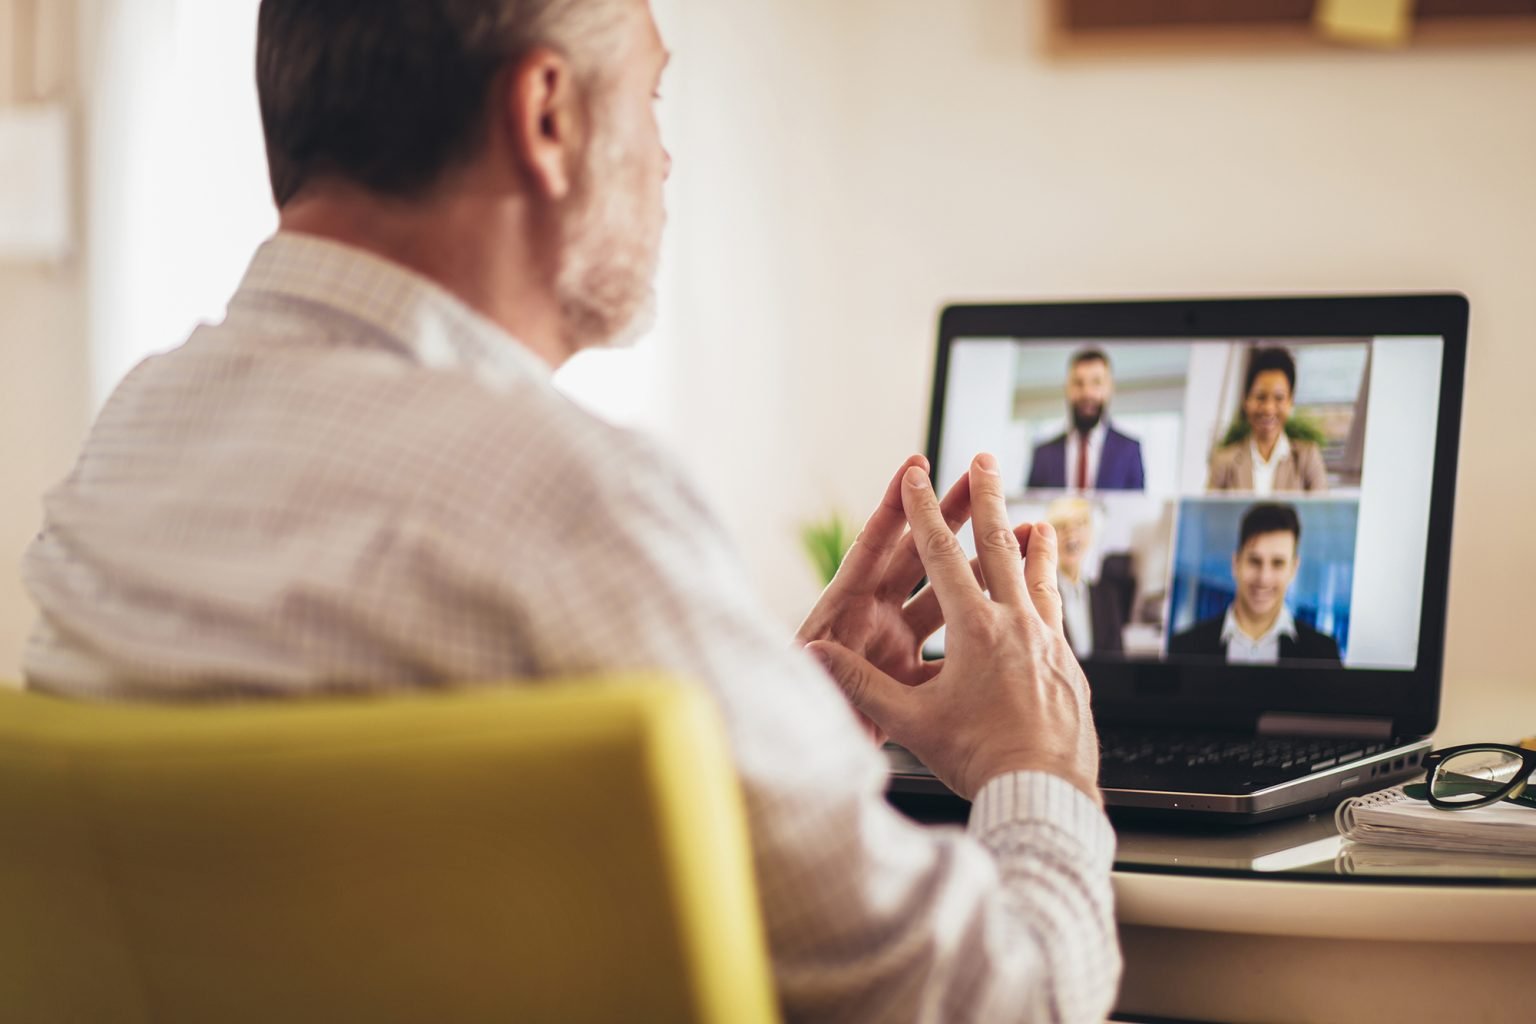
(1119, 464)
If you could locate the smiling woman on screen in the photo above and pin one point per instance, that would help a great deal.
(1266, 459)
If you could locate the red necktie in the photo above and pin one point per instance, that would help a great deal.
(1082, 462)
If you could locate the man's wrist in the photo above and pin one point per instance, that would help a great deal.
(1024, 798)
(1061, 768)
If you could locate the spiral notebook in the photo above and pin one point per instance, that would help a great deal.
(1392, 817)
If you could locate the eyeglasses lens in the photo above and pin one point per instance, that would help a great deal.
(1474, 775)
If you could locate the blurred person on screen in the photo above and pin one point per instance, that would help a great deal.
(1091, 454)
(1090, 610)
(1266, 460)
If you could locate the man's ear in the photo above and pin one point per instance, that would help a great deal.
(542, 116)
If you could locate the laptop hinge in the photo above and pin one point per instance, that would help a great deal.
(1286, 723)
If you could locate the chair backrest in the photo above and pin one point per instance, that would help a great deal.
(559, 852)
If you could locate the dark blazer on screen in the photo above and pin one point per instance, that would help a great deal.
(1119, 464)
(1204, 638)
(1108, 623)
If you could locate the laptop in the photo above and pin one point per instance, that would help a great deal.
(1253, 499)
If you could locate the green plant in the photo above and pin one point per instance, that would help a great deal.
(825, 542)
(1298, 428)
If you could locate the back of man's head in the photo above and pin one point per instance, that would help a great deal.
(389, 94)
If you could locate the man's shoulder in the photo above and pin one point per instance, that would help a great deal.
(1059, 441)
(1314, 643)
(532, 445)
(412, 435)
(1202, 638)
(457, 421)
(1111, 435)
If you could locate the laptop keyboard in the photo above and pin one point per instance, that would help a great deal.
(1301, 754)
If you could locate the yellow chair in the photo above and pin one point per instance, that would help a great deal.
(571, 852)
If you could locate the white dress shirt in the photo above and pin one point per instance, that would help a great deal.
(1077, 614)
(1261, 650)
(1264, 472)
(356, 484)
(1095, 450)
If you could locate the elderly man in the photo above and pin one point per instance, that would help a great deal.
(362, 480)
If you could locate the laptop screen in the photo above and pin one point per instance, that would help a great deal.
(1241, 500)
(1254, 496)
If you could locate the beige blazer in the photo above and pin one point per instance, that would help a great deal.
(1232, 469)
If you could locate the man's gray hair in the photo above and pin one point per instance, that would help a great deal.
(390, 93)
(588, 32)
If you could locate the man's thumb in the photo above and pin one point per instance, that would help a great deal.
(868, 689)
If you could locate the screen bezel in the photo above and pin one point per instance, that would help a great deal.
(1235, 695)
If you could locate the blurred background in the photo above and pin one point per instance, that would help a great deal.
(841, 171)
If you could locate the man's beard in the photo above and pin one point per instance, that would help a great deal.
(608, 251)
(1085, 421)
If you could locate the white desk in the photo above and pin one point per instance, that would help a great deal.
(1265, 925)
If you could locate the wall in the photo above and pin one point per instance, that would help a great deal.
(845, 169)
(43, 408)
(44, 367)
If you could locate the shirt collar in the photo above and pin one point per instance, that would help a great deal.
(392, 303)
(1285, 625)
(1280, 454)
(1096, 434)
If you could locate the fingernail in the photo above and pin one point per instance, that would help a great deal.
(986, 463)
(915, 478)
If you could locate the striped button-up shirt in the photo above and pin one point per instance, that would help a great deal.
(355, 483)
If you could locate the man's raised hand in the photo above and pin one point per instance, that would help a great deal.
(1009, 695)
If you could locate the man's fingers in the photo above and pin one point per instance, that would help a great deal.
(949, 571)
(1040, 574)
(906, 567)
(865, 564)
(996, 546)
(923, 615)
(877, 696)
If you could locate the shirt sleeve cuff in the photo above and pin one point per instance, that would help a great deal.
(1033, 798)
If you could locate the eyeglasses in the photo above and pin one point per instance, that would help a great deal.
(1479, 774)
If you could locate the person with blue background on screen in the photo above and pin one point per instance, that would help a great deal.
(1257, 627)
(1091, 454)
